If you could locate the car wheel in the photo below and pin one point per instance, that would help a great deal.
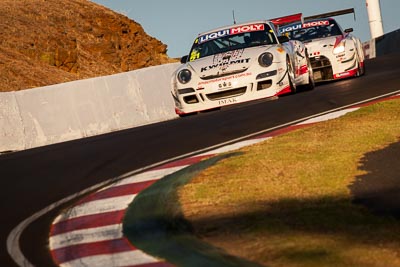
(360, 69)
(358, 73)
(311, 81)
(363, 69)
(290, 74)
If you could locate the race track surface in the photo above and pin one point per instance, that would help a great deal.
(34, 179)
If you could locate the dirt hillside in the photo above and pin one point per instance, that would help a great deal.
(45, 42)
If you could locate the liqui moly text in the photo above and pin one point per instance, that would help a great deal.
(231, 31)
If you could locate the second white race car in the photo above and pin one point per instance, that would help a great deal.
(334, 53)
(239, 63)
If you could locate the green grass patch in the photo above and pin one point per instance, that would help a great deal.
(154, 223)
(288, 201)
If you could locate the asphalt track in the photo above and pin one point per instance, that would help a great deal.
(34, 179)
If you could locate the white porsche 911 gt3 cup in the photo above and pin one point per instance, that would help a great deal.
(334, 53)
(239, 63)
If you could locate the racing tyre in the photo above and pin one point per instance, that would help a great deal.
(311, 81)
(360, 68)
(290, 74)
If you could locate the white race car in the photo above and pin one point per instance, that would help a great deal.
(334, 53)
(239, 63)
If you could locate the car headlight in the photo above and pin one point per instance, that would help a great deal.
(339, 48)
(265, 59)
(184, 76)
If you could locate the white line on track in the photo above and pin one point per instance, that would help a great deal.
(97, 207)
(86, 236)
(115, 260)
(235, 146)
(329, 116)
(13, 239)
(148, 176)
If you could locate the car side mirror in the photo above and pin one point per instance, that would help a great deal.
(283, 39)
(348, 30)
(184, 59)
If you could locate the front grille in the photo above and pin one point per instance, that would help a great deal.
(185, 91)
(191, 99)
(219, 75)
(320, 62)
(322, 68)
(264, 85)
(227, 93)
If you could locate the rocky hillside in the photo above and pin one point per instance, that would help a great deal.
(46, 42)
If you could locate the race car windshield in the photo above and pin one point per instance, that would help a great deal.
(314, 32)
(223, 41)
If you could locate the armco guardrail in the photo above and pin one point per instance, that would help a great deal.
(62, 112)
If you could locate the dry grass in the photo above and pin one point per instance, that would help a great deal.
(287, 202)
(54, 41)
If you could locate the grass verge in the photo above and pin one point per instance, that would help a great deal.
(289, 201)
(154, 223)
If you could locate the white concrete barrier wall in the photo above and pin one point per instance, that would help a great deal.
(369, 49)
(11, 125)
(62, 112)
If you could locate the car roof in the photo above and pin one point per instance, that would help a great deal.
(235, 25)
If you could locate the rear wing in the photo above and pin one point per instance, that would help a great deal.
(287, 19)
(332, 14)
(281, 21)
